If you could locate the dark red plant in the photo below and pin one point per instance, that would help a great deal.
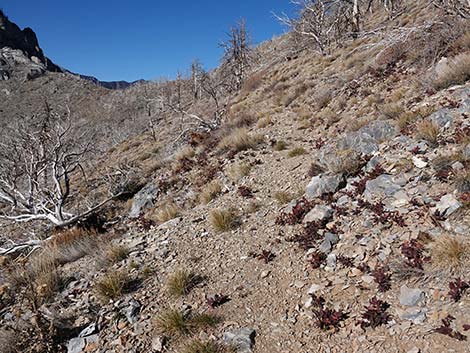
(383, 278)
(245, 192)
(309, 236)
(466, 327)
(445, 329)
(413, 251)
(363, 267)
(375, 314)
(265, 255)
(457, 289)
(317, 259)
(301, 208)
(327, 318)
(345, 261)
(217, 300)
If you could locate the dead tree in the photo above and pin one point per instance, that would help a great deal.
(197, 72)
(454, 7)
(41, 160)
(238, 55)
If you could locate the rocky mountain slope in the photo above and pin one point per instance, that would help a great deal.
(22, 57)
(329, 213)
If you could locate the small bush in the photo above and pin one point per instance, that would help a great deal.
(113, 285)
(428, 130)
(264, 122)
(185, 152)
(391, 110)
(181, 282)
(223, 220)
(457, 72)
(298, 151)
(210, 192)
(347, 162)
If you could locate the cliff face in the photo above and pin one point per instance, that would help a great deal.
(25, 40)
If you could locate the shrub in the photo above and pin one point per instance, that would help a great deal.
(346, 162)
(181, 282)
(428, 130)
(457, 72)
(263, 122)
(185, 152)
(113, 285)
(223, 220)
(375, 314)
(391, 110)
(239, 140)
(297, 151)
(210, 192)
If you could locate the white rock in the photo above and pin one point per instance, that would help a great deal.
(419, 163)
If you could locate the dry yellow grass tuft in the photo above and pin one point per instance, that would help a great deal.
(347, 162)
(167, 212)
(112, 285)
(174, 322)
(181, 282)
(280, 145)
(210, 192)
(223, 220)
(185, 153)
(238, 171)
(428, 130)
(297, 151)
(283, 197)
(451, 252)
(198, 346)
(239, 140)
(457, 72)
(116, 253)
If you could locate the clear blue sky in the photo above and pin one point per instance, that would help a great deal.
(129, 40)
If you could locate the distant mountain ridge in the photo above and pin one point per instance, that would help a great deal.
(21, 55)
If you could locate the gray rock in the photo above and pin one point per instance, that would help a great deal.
(158, 344)
(466, 152)
(442, 118)
(132, 311)
(380, 130)
(416, 315)
(447, 205)
(323, 184)
(410, 296)
(329, 241)
(76, 345)
(144, 200)
(242, 339)
(319, 213)
(331, 261)
(382, 186)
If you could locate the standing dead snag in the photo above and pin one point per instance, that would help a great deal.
(41, 159)
(238, 55)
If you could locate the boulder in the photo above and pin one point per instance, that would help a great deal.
(144, 200)
(323, 184)
(447, 205)
(319, 213)
(242, 339)
(410, 296)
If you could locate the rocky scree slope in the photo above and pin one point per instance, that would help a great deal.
(330, 214)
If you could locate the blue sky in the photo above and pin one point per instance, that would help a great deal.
(129, 40)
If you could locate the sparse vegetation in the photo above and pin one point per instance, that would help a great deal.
(297, 151)
(181, 282)
(238, 170)
(210, 192)
(457, 72)
(223, 220)
(112, 285)
(280, 145)
(450, 252)
(239, 140)
(283, 197)
(428, 130)
(167, 212)
(174, 322)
